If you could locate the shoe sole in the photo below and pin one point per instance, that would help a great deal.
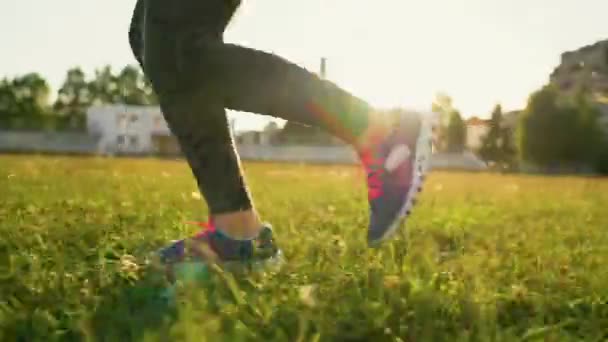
(197, 272)
(424, 149)
(187, 270)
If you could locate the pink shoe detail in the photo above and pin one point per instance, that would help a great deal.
(209, 227)
(374, 168)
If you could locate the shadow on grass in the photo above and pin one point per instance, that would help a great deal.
(130, 311)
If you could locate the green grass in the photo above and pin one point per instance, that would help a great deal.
(487, 257)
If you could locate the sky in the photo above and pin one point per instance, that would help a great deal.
(388, 52)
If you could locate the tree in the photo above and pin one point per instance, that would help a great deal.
(559, 132)
(133, 87)
(602, 162)
(538, 133)
(451, 133)
(490, 143)
(151, 97)
(508, 152)
(104, 87)
(8, 103)
(129, 87)
(456, 133)
(24, 102)
(589, 137)
(496, 145)
(73, 99)
(443, 105)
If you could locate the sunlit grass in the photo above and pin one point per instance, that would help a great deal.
(487, 257)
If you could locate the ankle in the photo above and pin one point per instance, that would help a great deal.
(240, 225)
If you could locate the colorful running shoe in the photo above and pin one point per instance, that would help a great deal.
(211, 245)
(396, 167)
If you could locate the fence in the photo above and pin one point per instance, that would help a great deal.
(345, 155)
(82, 143)
(48, 142)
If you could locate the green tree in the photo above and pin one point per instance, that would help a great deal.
(589, 137)
(602, 162)
(456, 133)
(557, 131)
(442, 105)
(508, 151)
(537, 135)
(73, 99)
(134, 88)
(24, 102)
(490, 143)
(8, 104)
(103, 88)
(129, 87)
(497, 144)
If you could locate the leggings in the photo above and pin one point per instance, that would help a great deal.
(197, 76)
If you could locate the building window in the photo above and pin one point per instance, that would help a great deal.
(120, 140)
(134, 141)
(133, 118)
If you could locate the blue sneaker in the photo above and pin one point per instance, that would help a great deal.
(396, 168)
(211, 245)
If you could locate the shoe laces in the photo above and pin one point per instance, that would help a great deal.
(208, 234)
(208, 227)
(373, 163)
(264, 243)
(374, 167)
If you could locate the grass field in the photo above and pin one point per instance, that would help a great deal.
(487, 257)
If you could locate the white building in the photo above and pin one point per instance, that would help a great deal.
(123, 129)
(476, 129)
(264, 137)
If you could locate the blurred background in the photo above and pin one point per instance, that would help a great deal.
(517, 86)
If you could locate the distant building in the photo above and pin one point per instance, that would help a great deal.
(476, 129)
(586, 66)
(268, 136)
(123, 129)
(250, 138)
